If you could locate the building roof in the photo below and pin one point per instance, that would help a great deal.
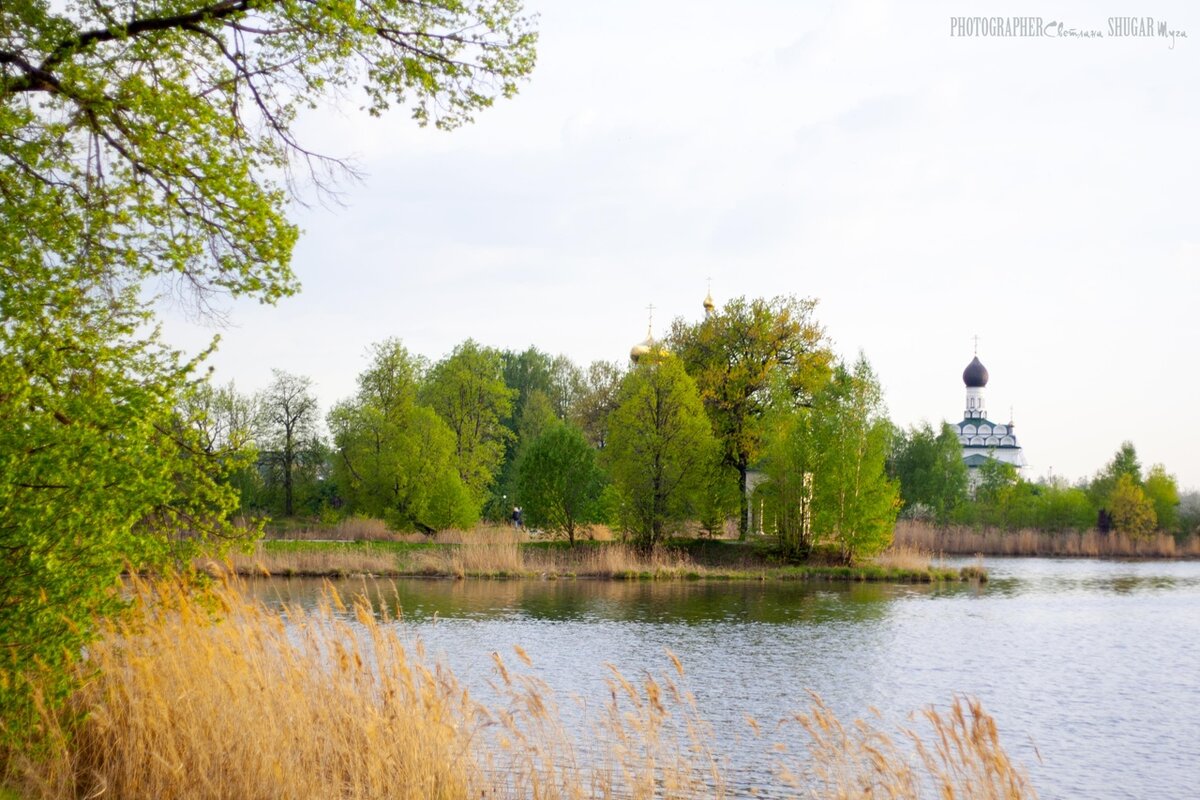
(975, 376)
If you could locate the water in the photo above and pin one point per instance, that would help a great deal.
(1091, 668)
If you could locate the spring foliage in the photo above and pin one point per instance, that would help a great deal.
(149, 144)
(660, 449)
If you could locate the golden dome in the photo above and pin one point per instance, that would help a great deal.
(643, 348)
(709, 305)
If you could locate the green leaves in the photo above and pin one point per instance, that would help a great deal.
(826, 469)
(154, 141)
(660, 449)
(558, 481)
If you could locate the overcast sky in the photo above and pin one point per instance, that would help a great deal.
(1041, 193)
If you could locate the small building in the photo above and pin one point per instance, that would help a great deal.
(982, 439)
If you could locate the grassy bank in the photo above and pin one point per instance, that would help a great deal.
(497, 552)
(223, 697)
(993, 542)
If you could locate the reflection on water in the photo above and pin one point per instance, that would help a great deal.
(675, 602)
(1093, 665)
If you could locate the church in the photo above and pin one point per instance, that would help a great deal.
(982, 439)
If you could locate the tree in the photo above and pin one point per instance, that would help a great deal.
(1132, 512)
(660, 448)
(558, 481)
(467, 390)
(154, 140)
(736, 356)
(596, 399)
(1163, 493)
(98, 472)
(396, 458)
(226, 424)
(288, 425)
(842, 443)
(1124, 462)
(931, 472)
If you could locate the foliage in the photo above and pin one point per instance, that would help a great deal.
(1124, 462)
(596, 399)
(226, 423)
(842, 443)
(1163, 493)
(396, 458)
(1132, 512)
(558, 481)
(930, 469)
(1189, 514)
(737, 355)
(467, 390)
(97, 469)
(290, 449)
(720, 499)
(660, 448)
(546, 383)
(146, 141)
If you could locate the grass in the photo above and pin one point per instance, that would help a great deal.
(994, 542)
(220, 696)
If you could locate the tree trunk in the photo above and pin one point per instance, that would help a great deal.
(288, 457)
(744, 502)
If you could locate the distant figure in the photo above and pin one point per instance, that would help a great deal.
(520, 518)
(516, 517)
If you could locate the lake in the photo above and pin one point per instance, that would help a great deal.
(1091, 668)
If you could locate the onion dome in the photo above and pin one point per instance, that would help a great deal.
(709, 306)
(975, 376)
(644, 347)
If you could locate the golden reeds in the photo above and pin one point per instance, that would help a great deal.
(904, 556)
(1027, 542)
(219, 696)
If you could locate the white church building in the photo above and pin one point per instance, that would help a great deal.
(982, 439)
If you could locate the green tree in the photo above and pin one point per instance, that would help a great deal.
(226, 424)
(931, 472)
(558, 480)
(467, 390)
(1124, 462)
(842, 442)
(1064, 508)
(155, 140)
(1132, 512)
(290, 449)
(396, 458)
(98, 471)
(736, 356)
(660, 449)
(1163, 493)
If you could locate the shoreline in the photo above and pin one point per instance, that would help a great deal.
(694, 561)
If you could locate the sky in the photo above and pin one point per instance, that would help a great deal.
(1042, 194)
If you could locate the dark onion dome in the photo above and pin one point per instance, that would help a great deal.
(975, 376)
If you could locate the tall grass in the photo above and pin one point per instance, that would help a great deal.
(221, 697)
(318, 563)
(904, 556)
(995, 542)
(476, 557)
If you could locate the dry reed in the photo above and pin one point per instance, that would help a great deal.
(904, 556)
(501, 558)
(1027, 542)
(219, 696)
(318, 563)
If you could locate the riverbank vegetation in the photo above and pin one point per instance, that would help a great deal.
(1139, 505)
(218, 696)
(966, 541)
(499, 552)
